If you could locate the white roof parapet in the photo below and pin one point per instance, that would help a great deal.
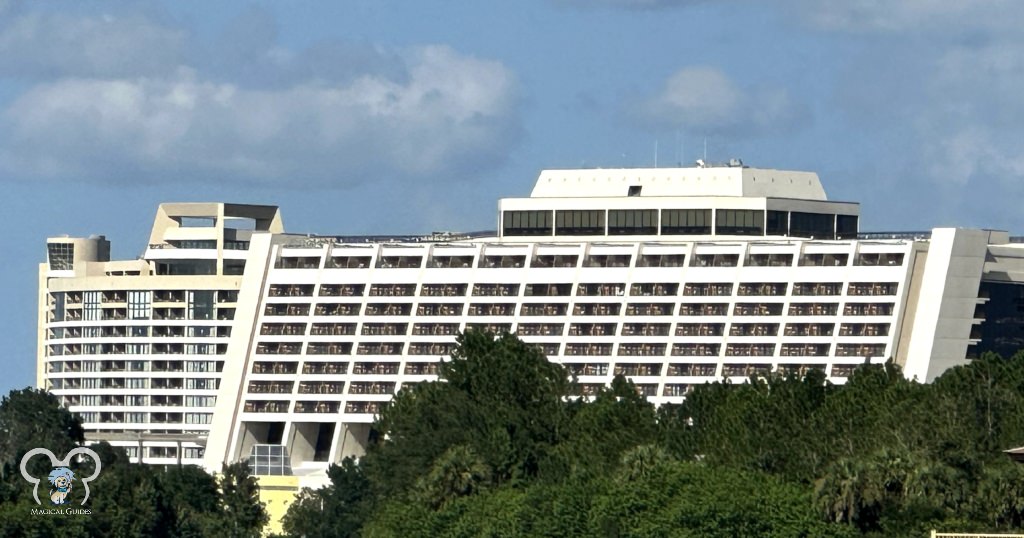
(711, 181)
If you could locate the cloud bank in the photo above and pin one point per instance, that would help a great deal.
(703, 99)
(120, 99)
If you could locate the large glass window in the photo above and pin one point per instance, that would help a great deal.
(739, 222)
(61, 256)
(846, 226)
(200, 304)
(579, 222)
(139, 305)
(91, 308)
(633, 222)
(813, 225)
(686, 222)
(520, 223)
(58, 306)
(777, 223)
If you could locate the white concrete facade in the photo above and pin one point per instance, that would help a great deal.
(315, 334)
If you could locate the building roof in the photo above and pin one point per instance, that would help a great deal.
(737, 181)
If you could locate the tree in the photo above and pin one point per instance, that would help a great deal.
(600, 430)
(32, 418)
(337, 510)
(457, 473)
(243, 514)
(498, 396)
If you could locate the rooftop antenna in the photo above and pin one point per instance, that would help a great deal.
(655, 152)
(705, 147)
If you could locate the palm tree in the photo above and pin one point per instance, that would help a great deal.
(456, 473)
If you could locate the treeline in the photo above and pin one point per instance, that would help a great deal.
(126, 499)
(501, 447)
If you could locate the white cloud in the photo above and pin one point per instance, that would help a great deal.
(973, 120)
(42, 45)
(452, 115)
(704, 99)
(128, 99)
(911, 15)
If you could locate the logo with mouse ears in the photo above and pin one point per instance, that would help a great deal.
(61, 476)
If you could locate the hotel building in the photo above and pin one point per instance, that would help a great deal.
(230, 339)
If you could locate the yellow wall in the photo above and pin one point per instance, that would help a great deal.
(277, 493)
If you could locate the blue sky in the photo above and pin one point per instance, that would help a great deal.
(387, 116)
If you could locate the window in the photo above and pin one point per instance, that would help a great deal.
(846, 226)
(662, 260)
(348, 262)
(138, 418)
(194, 243)
(200, 349)
(136, 349)
(700, 329)
(581, 329)
(495, 289)
(201, 366)
(200, 304)
(554, 290)
(136, 383)
(658, 288)
(526, 223)
(818, 288)
(594, 289)
(579, 222)
(198, 418)
(873, 288)
(540, 329)
(450, 261)
(493, 262)
(763, 288)
(823, 260)
(813, 309)
(61, 256)
(291, 290)
(549, 260)
(139, 305)
(879, 259)
(716, 260)
(392, 290)
(696, 350)
(804, 350)
(686, 222)
(58, 306)
(753, 329)
(814, 225)
(92, 306)
(633, 221)
(200, 401)
(703, 309)
(200, 384)
(588, 349)
(769, 260)
(342, 290)
(400, 262)
(587, 368)
(607, 260)
(443, 290)
(777, 223)
(739, 222)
